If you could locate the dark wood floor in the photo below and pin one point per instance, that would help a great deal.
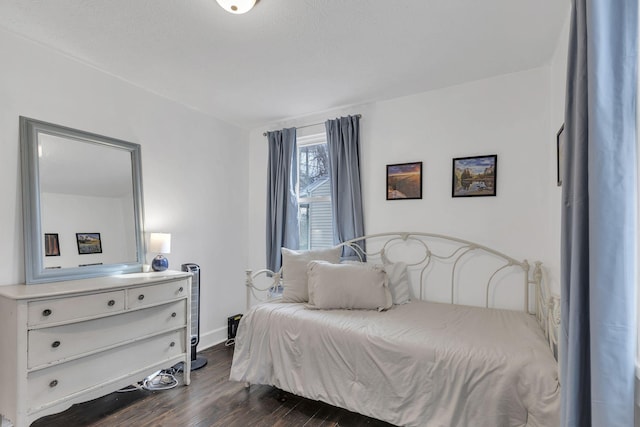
(210, 400)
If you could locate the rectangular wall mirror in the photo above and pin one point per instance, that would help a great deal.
(82, 203)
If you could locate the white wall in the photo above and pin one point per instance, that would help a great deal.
(507, 115)
(66, 215)
(194, 166)
(558, 70)
(197, 177)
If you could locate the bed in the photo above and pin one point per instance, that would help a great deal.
(450, 347)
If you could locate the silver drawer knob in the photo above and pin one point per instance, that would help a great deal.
(46, 312)
(140, 297)
(55, 344)
(180, 289)
(173, 314)
(172, 344)
(53, 383)
(111, 303)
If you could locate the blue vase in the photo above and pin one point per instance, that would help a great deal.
(160, 263)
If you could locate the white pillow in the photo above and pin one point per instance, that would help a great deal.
(294, 270)
(398, 281)
(347, 286)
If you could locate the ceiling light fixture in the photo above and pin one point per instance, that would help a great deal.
(237, 6)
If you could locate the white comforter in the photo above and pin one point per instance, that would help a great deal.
(418, 364)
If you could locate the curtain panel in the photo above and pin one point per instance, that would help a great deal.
(599, 216)
(282, 201)
(343, 146)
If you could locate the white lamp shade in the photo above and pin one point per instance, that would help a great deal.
(237, 6)
(160, 243)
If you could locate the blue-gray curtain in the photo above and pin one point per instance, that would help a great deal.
(282, 202)
(599, 216)
(343, 146)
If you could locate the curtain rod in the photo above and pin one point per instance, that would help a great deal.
(313, 124)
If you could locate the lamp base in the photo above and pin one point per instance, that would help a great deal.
(160, 263)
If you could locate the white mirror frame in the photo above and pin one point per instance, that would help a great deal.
(33, 236)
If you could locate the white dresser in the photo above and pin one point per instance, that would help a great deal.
(69, 342)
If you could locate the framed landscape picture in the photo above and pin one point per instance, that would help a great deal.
(51, 244)
(404, 181)
(474, 176)
(89, 243)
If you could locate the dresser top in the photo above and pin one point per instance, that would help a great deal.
(89, 285)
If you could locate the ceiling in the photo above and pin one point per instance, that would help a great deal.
(289, 58)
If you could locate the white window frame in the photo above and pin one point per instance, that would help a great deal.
(306, 141)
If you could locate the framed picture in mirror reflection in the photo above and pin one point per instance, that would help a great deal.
(89, 243)
(51, 244)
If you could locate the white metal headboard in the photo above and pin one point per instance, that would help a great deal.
(454, 252)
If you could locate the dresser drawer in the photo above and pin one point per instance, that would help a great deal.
(79, 307)
(58, 343)
(149, 295)
(48, 385)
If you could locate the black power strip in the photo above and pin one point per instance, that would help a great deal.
(232, 326)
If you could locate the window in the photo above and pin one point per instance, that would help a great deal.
(314, 193)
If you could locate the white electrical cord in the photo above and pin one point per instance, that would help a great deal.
(160, 380)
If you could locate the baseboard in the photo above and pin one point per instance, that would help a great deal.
(211, 338)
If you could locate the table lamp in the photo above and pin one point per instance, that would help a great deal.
(160, 243)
